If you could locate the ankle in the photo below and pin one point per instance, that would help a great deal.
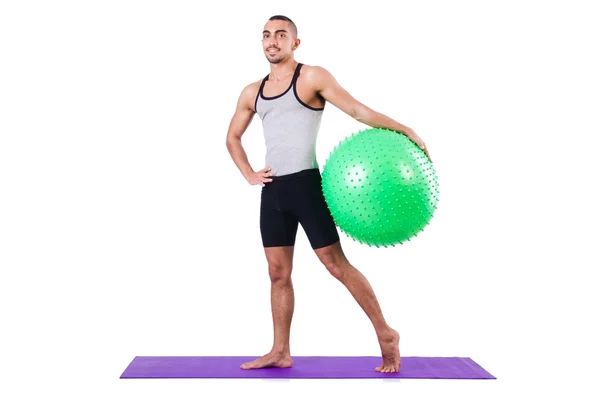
(281, 350)
(385, 332)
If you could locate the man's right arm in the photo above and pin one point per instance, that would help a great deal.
(239, 123)
(244, 113)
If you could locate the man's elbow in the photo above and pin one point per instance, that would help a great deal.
(362, 114)
(231, 141)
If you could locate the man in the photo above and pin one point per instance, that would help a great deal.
(290, 101)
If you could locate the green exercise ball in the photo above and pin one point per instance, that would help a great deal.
(380, 187)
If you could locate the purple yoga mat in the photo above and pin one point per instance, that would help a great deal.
(308, 367)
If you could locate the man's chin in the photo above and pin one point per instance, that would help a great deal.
(274, 60)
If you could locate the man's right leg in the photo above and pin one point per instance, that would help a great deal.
(278, 230)
(282, 307)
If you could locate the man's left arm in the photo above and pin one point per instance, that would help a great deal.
(328, 87)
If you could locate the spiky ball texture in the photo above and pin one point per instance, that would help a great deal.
(380, 187)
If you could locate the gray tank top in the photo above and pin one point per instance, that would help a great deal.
(290, 129)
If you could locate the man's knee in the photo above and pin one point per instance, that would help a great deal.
(280, 263)
(280, 270)
(334, 260)
(280, 273)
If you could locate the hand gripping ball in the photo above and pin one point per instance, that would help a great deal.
(380, 187)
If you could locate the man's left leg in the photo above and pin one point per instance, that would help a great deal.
(317, 221)
(334, 259)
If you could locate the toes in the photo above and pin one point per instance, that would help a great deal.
(249, 365)
(388, 368)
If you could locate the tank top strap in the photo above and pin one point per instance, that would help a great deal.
(296, 74)
(260, 90)
(262, 84)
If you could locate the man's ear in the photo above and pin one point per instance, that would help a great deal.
(296, 44)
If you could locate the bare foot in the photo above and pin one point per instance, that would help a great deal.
(390, 352)
(270, 360)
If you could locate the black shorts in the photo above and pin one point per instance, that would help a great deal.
(291, 199)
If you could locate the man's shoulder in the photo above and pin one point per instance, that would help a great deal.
(251, 90)
(313, 70)
(253, 86)
(316, 75)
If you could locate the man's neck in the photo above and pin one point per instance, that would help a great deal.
(281, 70)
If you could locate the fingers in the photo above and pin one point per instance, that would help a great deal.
(427, 154)
(424, 148)
(264, 175)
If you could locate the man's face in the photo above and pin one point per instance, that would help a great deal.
(278, 41)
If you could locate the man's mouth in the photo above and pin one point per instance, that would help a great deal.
(272, 50)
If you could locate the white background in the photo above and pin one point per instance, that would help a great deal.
(126, 229)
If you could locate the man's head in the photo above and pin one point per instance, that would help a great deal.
(280, 38)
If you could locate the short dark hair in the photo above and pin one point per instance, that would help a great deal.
(284, 18)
